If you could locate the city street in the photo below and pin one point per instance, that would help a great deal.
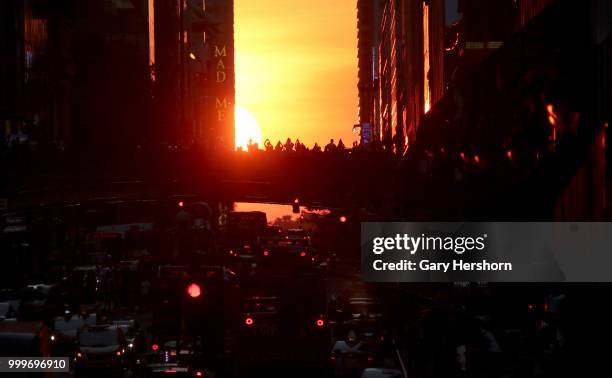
(317, 189)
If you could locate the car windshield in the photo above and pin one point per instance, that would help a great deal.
(72, 324)
(99, 338)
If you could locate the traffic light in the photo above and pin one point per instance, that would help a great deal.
(194, 290)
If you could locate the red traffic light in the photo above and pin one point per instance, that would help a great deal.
(198, 373)
(266, 253)
(302, 254)
(194, 290)
(155, 347)
(343, 219)
(248, 321)
(181, 204)
(320, 322)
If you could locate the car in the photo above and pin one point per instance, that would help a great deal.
(101, 346)
(41, 302)
(24, 338)
(64, 331)
(364, 311)
(350, 357)
(288, 250)
(133, 335)
(260, 317)
(180, 359)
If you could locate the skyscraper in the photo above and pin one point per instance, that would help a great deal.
(401, 42)
(194, 44)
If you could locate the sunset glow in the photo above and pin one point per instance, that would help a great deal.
(296, 68)
(247, 128)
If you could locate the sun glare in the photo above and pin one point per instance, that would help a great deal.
(247, 128)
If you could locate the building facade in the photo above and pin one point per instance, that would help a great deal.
(118, 72)
(401, 67)
(408, 57)
(487, 24)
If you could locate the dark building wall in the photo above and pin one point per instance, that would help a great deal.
(111, 104)
(167, 71)
(76, 71)
(487, 24)
(9, 57)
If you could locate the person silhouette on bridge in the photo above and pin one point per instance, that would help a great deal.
(316, 147)
(251, 146)
(279, 146)
(268, 145)
(330, 147)
(288, 145)
(341, 147)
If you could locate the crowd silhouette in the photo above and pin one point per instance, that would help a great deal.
(299, 147)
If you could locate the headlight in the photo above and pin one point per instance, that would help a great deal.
(52, 337)
(118, 353)
(79, 354)
(130, 345)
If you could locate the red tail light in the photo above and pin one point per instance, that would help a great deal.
(199, 374)
(370, 358)
(302, 254)
(266, 253)
(181, 204)
(343, 219)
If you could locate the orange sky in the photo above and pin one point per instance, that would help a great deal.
(296, 67)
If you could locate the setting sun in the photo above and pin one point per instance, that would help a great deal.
(296, 68)
(247, 128)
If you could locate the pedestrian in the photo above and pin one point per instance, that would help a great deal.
(279, 146)
(268, 146)
(330, 147)
(341, 147)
